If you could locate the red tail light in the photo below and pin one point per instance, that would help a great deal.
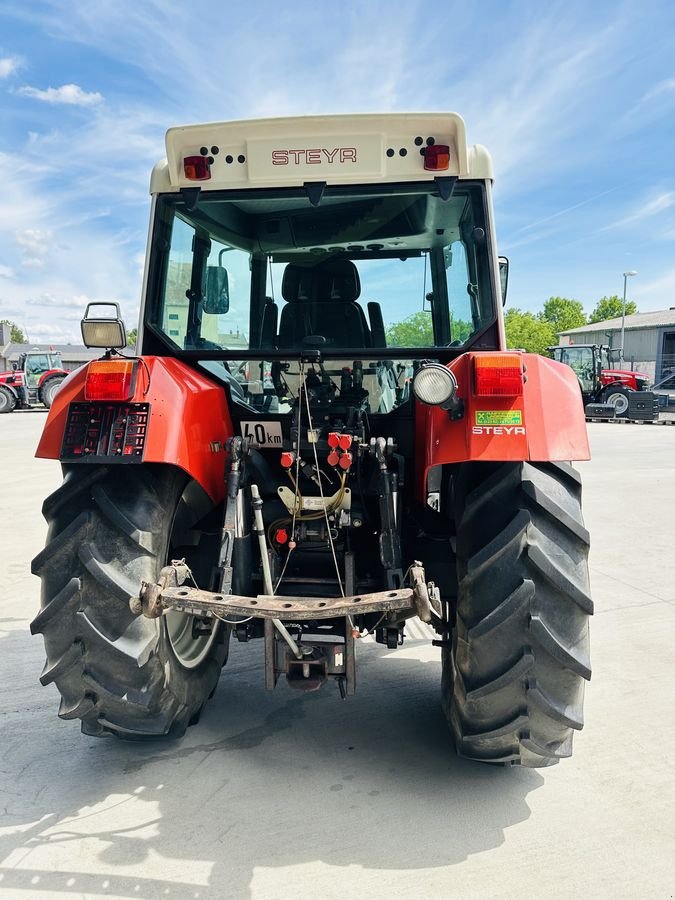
(110, 379)
(197, 168)
(498, 375)
(437, 157)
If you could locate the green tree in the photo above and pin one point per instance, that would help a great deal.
(415, 331)
(611, 308)
(132, 337)
(17, 336)
(563, 314)
(525, 331)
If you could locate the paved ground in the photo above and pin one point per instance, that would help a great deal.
(276, 796)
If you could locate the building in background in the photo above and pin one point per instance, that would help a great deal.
(649, 341)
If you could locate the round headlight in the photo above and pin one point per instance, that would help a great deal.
(434, 384)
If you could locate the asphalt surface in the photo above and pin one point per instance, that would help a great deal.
(281, 795)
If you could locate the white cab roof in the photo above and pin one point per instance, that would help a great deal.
(346, 149)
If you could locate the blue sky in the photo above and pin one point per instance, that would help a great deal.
(575, 101)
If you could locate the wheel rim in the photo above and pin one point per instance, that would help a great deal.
(4, 401)
(619, 402)
(189, 651)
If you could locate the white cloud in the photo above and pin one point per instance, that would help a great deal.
(646, 210)
(6, 272)
(50, 333)
(663, 87)
(70, 94)
(60, 302)
(36, 245)
(8, 65)
(659, 287)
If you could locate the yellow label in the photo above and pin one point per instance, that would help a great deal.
(499, 417)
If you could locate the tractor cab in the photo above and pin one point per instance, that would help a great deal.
(587, 362)
(36, 363)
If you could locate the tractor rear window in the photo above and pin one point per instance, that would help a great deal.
(269, 272)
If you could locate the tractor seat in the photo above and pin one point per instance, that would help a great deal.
(321, 300)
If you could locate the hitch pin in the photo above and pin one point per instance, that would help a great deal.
(259, 528)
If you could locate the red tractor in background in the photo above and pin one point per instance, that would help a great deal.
(33, 381)
(291, 463)
(600, 383)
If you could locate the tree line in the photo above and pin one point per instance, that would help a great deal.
(535, 332)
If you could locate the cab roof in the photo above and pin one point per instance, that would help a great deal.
(344, 149)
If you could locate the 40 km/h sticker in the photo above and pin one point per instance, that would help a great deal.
(499, 417)
(262, 434)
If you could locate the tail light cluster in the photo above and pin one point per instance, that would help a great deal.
(498, 374)
(111, 379)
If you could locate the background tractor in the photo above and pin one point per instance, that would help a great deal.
(33, 381)
(604, 386)
(282, 467)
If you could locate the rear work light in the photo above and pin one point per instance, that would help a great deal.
(437, 157)
(498, 375)
(197, 168)
(110, 379)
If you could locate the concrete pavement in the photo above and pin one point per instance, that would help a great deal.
(280, 795)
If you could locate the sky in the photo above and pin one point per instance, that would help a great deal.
(575, 101)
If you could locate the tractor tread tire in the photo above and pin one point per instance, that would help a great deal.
(115, 672)
(8, 400)
(513, 681)
(45, 394)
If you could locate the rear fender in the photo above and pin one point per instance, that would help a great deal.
(188, 424)
(545, 424)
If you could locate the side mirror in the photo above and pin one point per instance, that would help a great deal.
(217, 293)
(107, 332)
(503, 277)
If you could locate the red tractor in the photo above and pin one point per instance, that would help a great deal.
(295, 461)
(599, 380)
(34, 380)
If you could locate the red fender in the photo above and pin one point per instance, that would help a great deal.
(188, 425)
(546, 423)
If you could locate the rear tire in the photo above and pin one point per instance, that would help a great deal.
(513, 682)
(110, 529)
(7, 400)
(49, 388)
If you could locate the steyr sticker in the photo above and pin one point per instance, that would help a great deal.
(499, 417)
(262, 434)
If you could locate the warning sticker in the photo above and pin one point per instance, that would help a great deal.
(499, 417)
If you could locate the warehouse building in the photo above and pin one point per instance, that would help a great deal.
(649, 344)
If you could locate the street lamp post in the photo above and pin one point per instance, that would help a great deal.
(626, 276)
